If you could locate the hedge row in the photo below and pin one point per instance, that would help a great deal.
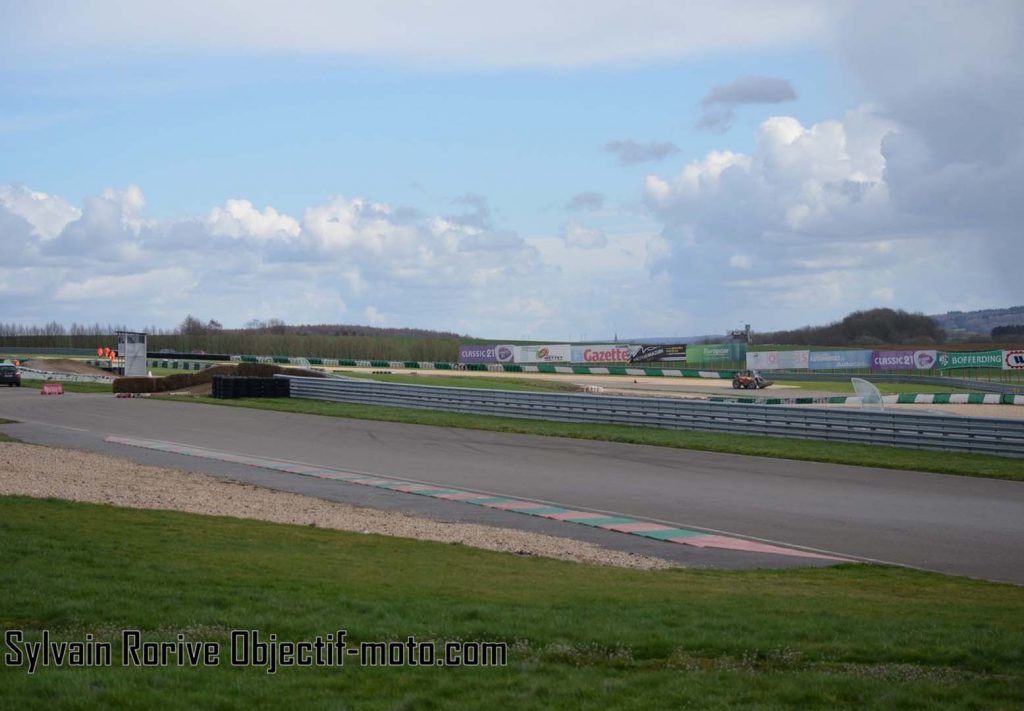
(179, 381)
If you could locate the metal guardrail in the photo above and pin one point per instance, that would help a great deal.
(965, 434)
(33, 374)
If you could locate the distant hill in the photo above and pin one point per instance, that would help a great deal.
(863, 328)
(963, 325)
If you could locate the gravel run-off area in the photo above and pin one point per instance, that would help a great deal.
(42, 472)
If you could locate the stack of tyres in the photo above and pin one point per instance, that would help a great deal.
(228, 387)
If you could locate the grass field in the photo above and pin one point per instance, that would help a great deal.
(579, 637)
(809, 450)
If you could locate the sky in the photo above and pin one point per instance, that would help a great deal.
(528, 170)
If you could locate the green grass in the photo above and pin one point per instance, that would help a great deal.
(6, 437)
(160, 372)
(842, 387)
(960, 463)
(72, 387)
(469, 381)
(579, 637)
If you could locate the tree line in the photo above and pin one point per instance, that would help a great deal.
(875, 327)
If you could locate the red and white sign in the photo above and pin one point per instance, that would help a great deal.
(1013, 360)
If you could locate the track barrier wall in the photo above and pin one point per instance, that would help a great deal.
(980, 435)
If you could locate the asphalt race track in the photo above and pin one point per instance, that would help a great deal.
(958, 525)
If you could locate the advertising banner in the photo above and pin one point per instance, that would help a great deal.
(839, 360)
(477, 354)
(776, 360)
(615, 353)
(1013, 360)
(554, 353)
(904, 360)
(715, 352)
(505, 354)
(660, 354)
(971, 359)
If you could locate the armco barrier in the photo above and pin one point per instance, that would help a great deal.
(983, 435)
(33, 374)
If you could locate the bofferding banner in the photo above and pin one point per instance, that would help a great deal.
(971, 359)
(839, 360)
(477, 354)
(614, 353)
(552, 353)
(904, 360)
(675, 353)
(775, 360)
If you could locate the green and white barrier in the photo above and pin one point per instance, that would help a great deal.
(492, 367)
(901, 399)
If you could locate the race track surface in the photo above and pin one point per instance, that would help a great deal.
(958, 525)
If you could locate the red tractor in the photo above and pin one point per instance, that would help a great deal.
(750, 380)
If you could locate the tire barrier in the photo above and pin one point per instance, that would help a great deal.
(229, 387)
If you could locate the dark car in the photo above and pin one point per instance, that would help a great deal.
(10, 375)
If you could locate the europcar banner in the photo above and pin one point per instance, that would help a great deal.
(675, 353)
(554, 353)
(776, 360)
(971, 359)
(903, 360)
(477, 354)
(614, 353)
(715, 352)
(839, 360)
(1013, 360)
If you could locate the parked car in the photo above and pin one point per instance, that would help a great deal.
(10, 375)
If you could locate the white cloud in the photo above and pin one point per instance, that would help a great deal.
(741, 261)
(135, 286)
(810, 214)
(238, 218)
(579, 237)
(48, 215)
(530, 33)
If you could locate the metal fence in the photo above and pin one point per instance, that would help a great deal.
(967, 434)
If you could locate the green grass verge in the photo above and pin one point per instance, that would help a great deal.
(160, 372)
(961, 463)
(580, 637)
(844, 387)
(72, 387)
(468, 381)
